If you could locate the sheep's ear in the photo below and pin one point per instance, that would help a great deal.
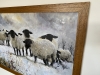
(43, 37)
(30, 32)
(16, 34)
(55, 36)
(7, 31)
(23, 41)
(58, 52)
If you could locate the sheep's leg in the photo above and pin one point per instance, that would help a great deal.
(3, 42)
(14, 50)
(26, 51)
(19, 52)
(58, 56)
(58, 59)
(35, 58)
(52, 60)
(8, 43)
(47, 62)
(44, 61)
(23, 51)
(31, 53)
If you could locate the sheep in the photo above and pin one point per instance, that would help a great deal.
(51, 38)
(3, 35)
(27, 33)
(27, 36)
(7, 38)
(42, 49)
(20, 44)
(13, 37)
(64, 55)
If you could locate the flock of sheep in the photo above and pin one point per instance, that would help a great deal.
(44, 47)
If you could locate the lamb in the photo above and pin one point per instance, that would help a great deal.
(27, 36)
(64, 55)
(42, 49)
(13, 38)
(51, 38)
(3, 35)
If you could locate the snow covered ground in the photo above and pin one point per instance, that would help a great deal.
(26, 65)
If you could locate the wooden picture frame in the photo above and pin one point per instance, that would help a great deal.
(82, 8)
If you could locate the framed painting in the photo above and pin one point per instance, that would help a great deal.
(43, 39)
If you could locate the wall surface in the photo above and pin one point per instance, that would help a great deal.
(91, 60)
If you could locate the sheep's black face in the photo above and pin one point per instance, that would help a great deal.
(28, 43)
(26, 33)
(50, 37)
(12, 33)
(55, 36)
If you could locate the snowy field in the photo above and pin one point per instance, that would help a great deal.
(26, 66)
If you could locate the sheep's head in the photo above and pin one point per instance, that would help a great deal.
(48, 37)
(69, 58)
(12, 33)
(28, 43)
(6, 33)
(26, 33)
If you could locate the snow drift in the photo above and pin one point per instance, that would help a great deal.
(26, 66)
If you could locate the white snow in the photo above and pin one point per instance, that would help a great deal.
(26, 65)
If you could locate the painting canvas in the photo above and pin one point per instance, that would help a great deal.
(52, 36)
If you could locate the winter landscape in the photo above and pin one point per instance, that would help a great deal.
(62, 25)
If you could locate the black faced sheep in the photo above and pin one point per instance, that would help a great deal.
(20, 44)
(42, 49)
(51, 38)
(13, 38)
(27, 36)
(3, 35)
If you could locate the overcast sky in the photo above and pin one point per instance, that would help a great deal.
(64, 25)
